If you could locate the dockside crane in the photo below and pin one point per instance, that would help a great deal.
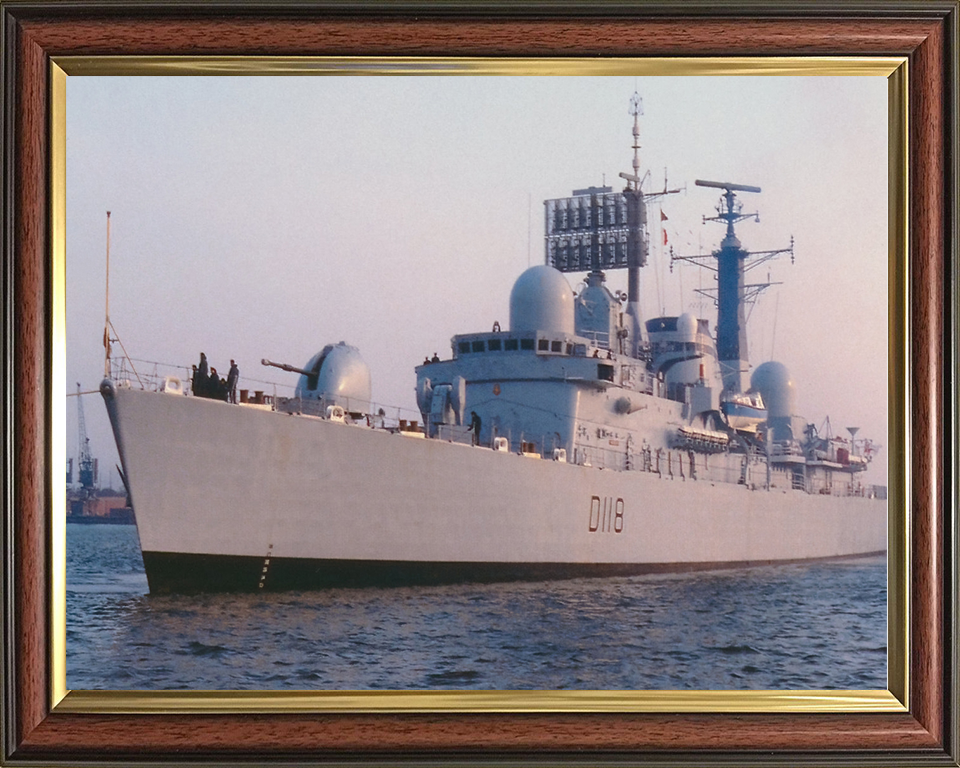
(87, 465)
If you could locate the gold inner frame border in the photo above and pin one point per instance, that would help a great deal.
(893, 699)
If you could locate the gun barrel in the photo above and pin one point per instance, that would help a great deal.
(284, 367)
(726, 185)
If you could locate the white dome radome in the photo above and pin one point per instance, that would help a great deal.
(541, 300)
(772, 380)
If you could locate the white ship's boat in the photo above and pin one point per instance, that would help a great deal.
(579, 441)
(744, 412)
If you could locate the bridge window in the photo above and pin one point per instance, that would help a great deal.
(464, 347)
(556, 346)
(510, 345)
(478, 346)
(493, 345)
(604, 372)
(526, 343)
(543, 345)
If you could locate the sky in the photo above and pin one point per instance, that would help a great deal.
(265, 217)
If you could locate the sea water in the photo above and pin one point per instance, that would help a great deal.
(799, 626)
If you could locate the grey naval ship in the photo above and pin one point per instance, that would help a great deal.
(580, 441)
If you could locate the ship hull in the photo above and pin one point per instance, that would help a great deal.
(179, 573)
(235, 498)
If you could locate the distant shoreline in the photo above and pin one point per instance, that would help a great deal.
(101, 520)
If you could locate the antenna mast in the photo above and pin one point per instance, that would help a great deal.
(598, 229)
(108, 327)
(637, 243)
(636, 109)
(732, 294)
(106, 322)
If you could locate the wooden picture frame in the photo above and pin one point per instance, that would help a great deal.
(35, 35)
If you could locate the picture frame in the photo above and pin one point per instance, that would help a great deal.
(41, 727)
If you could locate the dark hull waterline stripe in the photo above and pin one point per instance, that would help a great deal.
(171, 572)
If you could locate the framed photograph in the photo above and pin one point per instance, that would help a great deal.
(416, 83)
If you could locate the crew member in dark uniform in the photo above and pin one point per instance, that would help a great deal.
(232, 377)
(475, 426)
(213, 385)
(200, 380)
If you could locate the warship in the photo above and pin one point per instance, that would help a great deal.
(580, 441)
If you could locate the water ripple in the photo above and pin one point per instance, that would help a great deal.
(816, 625)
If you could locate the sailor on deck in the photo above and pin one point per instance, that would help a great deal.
(232, 377)
(475, 427)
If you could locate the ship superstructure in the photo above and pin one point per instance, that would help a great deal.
(580, 440)
(582, 377)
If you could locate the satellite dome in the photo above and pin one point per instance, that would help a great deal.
(687, 326)
(541, 300)
(772, 380)
(338, 375)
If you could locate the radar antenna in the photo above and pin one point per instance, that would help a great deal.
(598, 229)
(732, 212)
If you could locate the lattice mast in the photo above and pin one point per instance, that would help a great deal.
(732, 293)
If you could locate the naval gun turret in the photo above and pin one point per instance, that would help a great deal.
(337, 375)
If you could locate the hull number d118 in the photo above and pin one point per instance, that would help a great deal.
(606, 515)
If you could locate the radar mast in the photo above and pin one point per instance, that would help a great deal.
(637, 236)
(732, 294)
(599, 229)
